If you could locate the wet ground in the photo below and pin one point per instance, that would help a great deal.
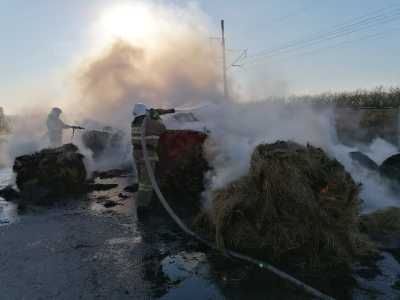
(84, 250)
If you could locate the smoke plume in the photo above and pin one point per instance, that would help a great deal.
(177, 66)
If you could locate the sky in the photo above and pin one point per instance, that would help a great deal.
(41, 40)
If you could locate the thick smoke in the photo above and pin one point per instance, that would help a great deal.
(28, 135)
(177, 66)
(236, 129)
(174, 66)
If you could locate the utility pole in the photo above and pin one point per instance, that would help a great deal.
(224, 68)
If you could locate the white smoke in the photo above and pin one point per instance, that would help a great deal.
(375, 190)
(172, 65)
(177, 66)
(237, 128)
(380, 150)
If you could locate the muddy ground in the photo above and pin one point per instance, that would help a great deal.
(83, 250)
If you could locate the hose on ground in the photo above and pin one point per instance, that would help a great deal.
(261, 264)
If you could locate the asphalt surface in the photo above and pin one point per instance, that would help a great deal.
(83, 250)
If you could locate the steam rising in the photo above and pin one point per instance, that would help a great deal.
(236, 129)
(175, 66)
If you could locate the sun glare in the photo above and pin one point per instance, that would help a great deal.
(131, 22)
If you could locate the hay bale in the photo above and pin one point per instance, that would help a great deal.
(181, 167)
(101, 142)
(43, 176)
(363, 160)
(390, 168)
(296, 206)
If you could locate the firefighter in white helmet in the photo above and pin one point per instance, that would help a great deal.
(55, 127)
(154, 128)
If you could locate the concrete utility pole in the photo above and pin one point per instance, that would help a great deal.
(224, 68)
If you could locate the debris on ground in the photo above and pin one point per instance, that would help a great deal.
(296, 207)
(363, 160)
(181, 166)
(133, 188)
(103, 141)
(43, 176)
(110, 204)
(383, 227)
(92, 187)
(115, 173)
(123, 196)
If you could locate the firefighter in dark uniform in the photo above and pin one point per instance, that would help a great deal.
(154, 128)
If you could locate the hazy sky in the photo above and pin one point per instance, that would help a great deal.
(41, 39)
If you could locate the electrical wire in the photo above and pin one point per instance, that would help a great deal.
(364, 23)
(335, 46)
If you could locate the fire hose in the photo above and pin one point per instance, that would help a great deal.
(261, 264)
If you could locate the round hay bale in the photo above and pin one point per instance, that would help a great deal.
(296, 206)
(100, 142)
(363, 160)
(182, 166)
(390, 168)
(50, 173)
(96, 141)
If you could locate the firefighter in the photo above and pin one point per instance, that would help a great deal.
(55, 127)
(154, 128)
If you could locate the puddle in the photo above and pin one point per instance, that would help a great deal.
(183, 265)
(190, 272)
(8, 212)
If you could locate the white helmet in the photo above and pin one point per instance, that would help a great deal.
(139, 110)
(56, 111)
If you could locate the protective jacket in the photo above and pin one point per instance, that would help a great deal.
(55, 127)
(154, 128)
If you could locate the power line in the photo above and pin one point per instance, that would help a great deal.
(358, 24)
(312, 43)
(365, 24)
(347, 42)
(355, 22)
